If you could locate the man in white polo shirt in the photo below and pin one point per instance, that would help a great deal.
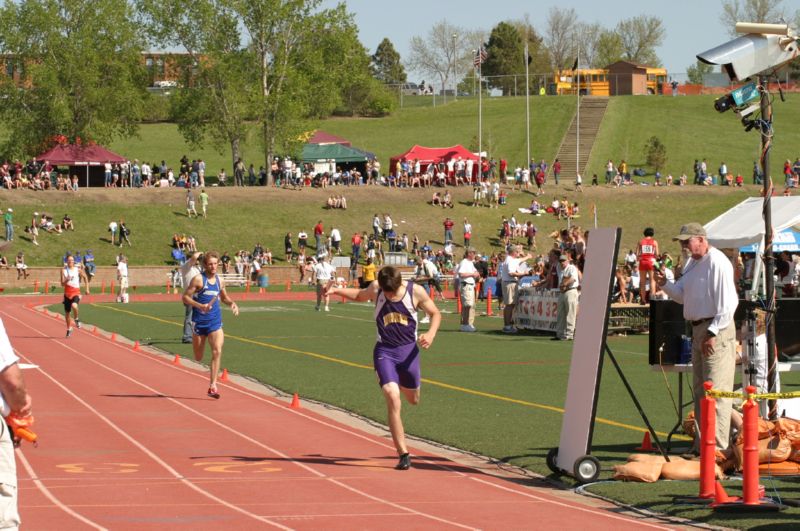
(511, 271)
(568, 283)
(467, 276)
(323, 273)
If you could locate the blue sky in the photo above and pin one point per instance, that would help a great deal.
(691, 26)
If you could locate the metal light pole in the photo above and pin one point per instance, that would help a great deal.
(769, 262)
(527, 105)
(455, 67)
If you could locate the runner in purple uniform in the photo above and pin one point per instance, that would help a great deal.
(396, 355)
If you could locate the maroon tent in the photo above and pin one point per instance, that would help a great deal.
(81, 156)
(321, 137)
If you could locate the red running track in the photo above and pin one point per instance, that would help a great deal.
(130, 441)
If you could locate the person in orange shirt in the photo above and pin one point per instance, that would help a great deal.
(71, 281)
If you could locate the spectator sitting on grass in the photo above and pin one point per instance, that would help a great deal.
(3, 262)
(22, 268)
(66, 223)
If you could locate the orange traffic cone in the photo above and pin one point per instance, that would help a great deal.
(720, 496)
(177, 360)
(646, 446)
(94, 331)
(136, 345)
(489, 302)
(295, 402)
(113, 336)
(288, 285)
(224, 377)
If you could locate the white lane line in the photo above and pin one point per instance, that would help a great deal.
(600, 512)
(152, 455)
(50, 496)
(223, 426)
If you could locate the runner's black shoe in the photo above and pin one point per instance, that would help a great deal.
(404, 463)
(69, 332)
(213, 393)
(78, 323)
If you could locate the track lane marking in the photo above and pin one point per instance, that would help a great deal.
(222, 426)
(434, 383)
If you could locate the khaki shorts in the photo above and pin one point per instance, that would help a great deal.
(123, 283)
(468, 294)
(510, 292)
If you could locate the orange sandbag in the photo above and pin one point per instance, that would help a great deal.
(773, 450)
(795, 455)
(790, 429)
(637, 471)
(682, 470)
(647, 458)
(786, 468)
(765, 428)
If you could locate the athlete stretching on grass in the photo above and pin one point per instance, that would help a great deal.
(203, 294)
(396, 355)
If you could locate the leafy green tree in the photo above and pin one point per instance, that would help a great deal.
(505, 59)
(216, 99)
(386, 65)
(656, 153)
(641, 36)
(696, 72)
(82, 74)
(609, 49)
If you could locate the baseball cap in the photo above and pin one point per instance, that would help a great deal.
(11, 210)
(35, 213)
(563, 257)
(689, 230)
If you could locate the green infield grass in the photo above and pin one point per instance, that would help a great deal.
(489, 393)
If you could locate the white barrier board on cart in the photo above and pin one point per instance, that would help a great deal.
(587, 348)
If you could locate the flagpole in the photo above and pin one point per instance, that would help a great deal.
(578, 129)
(527, 103)
(480, 108)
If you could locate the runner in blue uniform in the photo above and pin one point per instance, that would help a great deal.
(396, 355)
(204, 294)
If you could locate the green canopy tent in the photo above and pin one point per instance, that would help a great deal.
(321, 155)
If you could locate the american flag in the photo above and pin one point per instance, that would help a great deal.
(480, 57)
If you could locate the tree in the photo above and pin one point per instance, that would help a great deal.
(769, 11)
(505, 59)
(696, 72)
(559, 37)
(609, 49)
(81, 72)
(440, 55)
(215, 100)
(588, 37)
(640, 37)
(656, 153)
(386, 65)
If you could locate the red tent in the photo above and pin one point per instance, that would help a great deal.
(426, 155)
(73, 155)
(321, 137)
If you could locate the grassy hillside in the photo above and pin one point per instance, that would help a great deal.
(444, 125)
(238, 218)
(691, 129)
(688, 126)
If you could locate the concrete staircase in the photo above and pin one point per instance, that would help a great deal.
(593, 108)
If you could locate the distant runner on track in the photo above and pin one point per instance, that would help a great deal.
(71, 281)
(204, 294)
(396, 355)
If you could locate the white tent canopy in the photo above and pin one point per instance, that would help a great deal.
(744, 225)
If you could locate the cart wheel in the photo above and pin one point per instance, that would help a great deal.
(552, 460)
(587, 469)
